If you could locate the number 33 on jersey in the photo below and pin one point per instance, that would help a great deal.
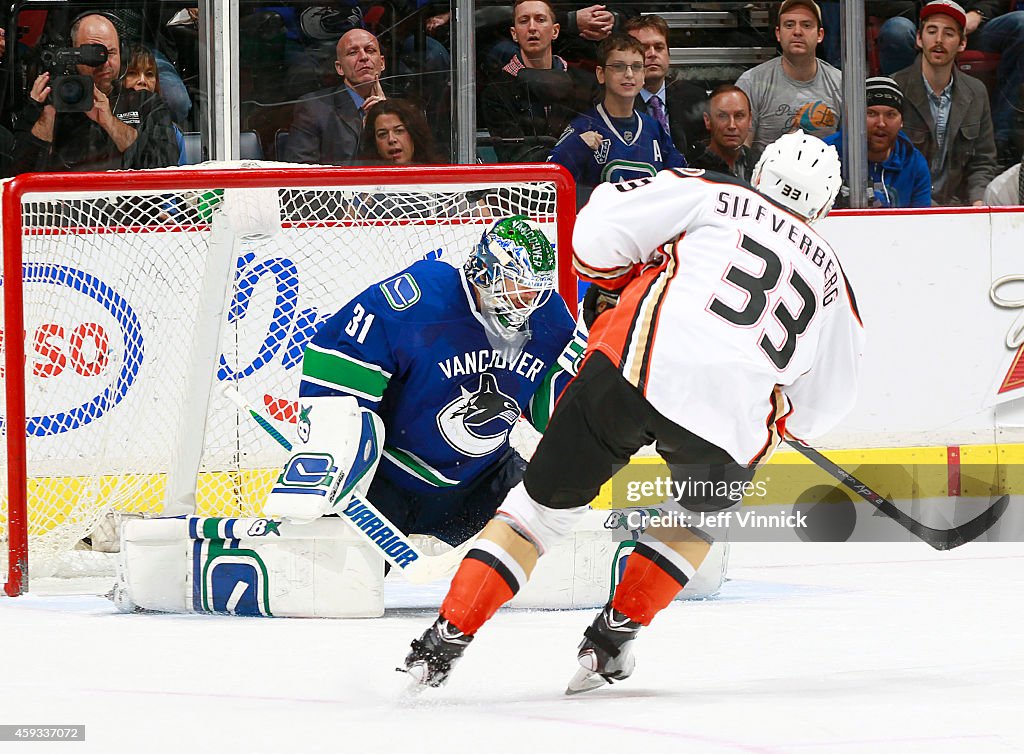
(729, 294)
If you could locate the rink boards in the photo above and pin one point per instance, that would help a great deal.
(938, 292)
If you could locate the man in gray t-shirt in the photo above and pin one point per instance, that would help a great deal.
(796, 90)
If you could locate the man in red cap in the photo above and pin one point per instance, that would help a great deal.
(946, 113)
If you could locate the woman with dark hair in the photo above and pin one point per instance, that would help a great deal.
(141, 73)
(395, 132)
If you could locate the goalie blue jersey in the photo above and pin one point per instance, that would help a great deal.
(628, 149)
(413, 348)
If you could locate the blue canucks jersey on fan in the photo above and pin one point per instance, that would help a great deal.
(413, 348)
(636, 147)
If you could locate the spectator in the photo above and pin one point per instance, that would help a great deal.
(535, 95)
(991, 26)
(897, 172)
(727, 118)
(612, 141)
(396, 133)
(895, 40)
(129, 23)
(584, 29)
(143, 75)
(946, 113)
(7, 158)
(795, 90)
(581, 30)
(675, 103)
(425, 64)
(124, 129)
(1006, 188)
(327, 123)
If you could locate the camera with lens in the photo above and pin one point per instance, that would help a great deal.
(71, 92)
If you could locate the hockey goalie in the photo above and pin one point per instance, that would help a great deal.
(408, 396)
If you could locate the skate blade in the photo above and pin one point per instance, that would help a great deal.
(583, 681)
(414, 682)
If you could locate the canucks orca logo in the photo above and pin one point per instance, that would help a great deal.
(478, 423)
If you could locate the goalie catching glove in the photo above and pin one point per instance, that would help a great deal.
(598, 300)
(339, 447)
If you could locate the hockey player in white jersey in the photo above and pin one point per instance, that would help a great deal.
(729, 322)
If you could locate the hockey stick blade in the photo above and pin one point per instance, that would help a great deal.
(940, 539)
(386, 538)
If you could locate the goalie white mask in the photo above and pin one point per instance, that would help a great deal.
(513, 270)
(801, 173)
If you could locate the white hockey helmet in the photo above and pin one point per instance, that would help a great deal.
(800, 172)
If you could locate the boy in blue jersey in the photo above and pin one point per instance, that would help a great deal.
(612, 141)
(448, 359)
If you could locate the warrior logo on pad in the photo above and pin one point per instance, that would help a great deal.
(478, 423)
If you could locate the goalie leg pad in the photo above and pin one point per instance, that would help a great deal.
(251, 567)
(539, 525)
(340, 446)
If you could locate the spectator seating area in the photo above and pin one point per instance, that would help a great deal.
(288, 51)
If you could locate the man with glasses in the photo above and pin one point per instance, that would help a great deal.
(675, 103)
(612, 141)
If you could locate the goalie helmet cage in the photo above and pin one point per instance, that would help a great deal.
(135, 295)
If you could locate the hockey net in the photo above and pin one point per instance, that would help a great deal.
(142, 295)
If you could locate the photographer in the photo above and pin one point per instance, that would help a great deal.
(122, 129)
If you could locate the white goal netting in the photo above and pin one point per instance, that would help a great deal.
(117, 283)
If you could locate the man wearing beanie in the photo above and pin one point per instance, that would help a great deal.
(946, 113)
(898, 173)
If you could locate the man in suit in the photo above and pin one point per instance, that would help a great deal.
(676, 104)
(946, 113)
(326, 125)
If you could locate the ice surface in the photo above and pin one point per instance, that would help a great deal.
(809, 648)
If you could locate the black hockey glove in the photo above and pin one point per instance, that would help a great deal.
(597, 300)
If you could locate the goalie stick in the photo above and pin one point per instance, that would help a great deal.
(397, 548)
(940, 539)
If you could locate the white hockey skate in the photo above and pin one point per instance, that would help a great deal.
(606, 652)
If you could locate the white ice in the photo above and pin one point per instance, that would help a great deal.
(808, 648)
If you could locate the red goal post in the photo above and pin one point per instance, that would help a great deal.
(139, 293)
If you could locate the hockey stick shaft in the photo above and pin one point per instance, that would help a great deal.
(940, 539)
(239, 400)
(371, 524)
